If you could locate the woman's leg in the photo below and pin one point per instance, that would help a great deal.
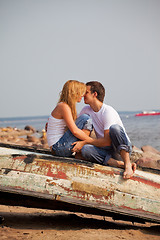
(64, 146)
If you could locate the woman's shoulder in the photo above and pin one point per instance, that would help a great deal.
(59, 110)
(63, 107)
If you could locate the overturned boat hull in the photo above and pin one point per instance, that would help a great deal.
(57, 183)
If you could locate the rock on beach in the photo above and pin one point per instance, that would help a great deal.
(147, 156)
(25, 137)
(30, 128)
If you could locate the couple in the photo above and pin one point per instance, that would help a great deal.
(67, 134)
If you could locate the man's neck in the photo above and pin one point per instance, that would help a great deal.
(96, 105)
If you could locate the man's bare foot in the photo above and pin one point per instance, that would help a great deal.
(127, 174)
(129, 171)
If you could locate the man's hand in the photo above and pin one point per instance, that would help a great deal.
(78, 146)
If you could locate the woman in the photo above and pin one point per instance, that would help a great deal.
(64, 127)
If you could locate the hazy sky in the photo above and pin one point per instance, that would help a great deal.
(44, 43)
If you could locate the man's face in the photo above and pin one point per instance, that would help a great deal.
(88, 96)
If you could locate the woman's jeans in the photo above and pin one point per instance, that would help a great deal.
(63, 147)
(103, 154)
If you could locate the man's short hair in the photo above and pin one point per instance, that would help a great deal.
(98, 88)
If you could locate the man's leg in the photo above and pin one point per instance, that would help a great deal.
(102, 156)
(95, 154)
(116, 163)
(128, 172)
(121, 145)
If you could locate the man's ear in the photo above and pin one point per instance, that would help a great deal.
(95, 94)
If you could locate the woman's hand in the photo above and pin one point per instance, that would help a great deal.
(78, 146)
(46, 126)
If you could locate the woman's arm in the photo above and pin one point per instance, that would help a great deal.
(66, 114)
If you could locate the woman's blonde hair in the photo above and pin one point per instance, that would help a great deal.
(71, 92)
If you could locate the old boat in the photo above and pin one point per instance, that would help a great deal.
(33, 178)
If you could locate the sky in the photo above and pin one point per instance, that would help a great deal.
(44, 43)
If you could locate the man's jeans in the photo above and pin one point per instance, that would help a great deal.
(63, 147)
(103, 154)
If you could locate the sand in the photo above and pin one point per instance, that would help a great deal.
(26, 223)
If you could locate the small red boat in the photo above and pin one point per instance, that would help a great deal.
(145, 113)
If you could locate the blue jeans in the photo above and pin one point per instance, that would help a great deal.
(63, 147)
(103, 154)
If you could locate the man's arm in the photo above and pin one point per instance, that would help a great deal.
(98, 142)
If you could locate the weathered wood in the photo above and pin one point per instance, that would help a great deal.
(25, 148)
(37, 202)
(82, 185)
(19, 149)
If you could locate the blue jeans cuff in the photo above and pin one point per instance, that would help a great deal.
(127, 148)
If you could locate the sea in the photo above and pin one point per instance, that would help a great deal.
(142, 131)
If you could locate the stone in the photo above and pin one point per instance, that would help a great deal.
(29, 128)
(148, 162)
(148, 148)
(32, 139)
(136, 154)
(152, 155)
(43, 140)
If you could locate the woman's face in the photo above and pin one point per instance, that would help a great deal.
(79, 99)
(80, 94)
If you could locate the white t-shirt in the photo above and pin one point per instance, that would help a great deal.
(103, 119)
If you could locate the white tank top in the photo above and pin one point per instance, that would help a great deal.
(55, 130)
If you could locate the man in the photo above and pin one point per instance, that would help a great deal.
(112, 140)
